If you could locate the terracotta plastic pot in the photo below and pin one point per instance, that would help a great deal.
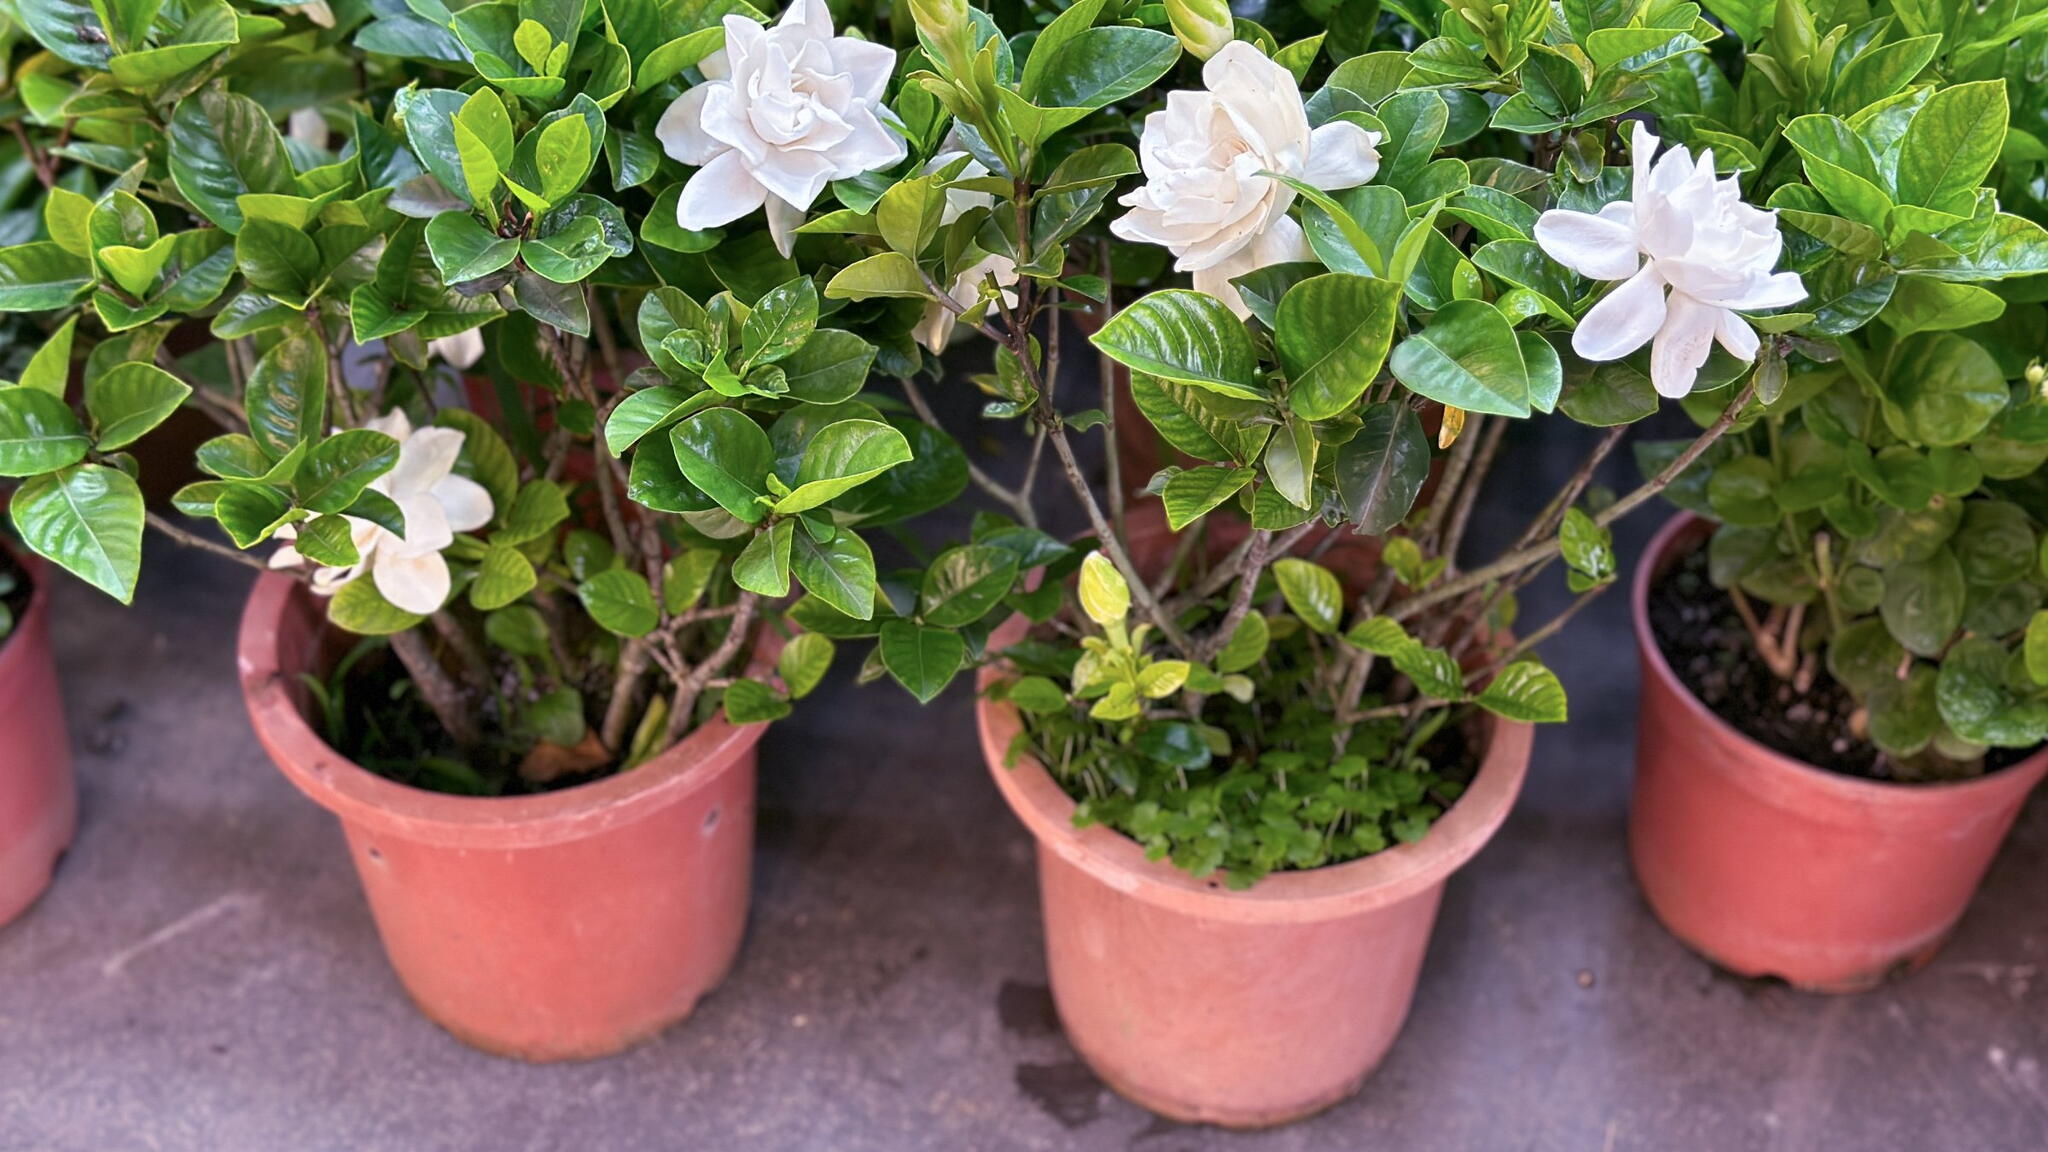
(1250, 1008)
(38, 801)
(1770, 866)
(559, 926)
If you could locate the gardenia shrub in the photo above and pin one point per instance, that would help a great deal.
(1879, 512)
(484, 186)
(1362, 221)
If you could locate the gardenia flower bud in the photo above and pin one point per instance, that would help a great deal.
(2037, 378)
(784, 111)
(407, 567)
(1204, 26)
(1203, 197)
(1685, 231)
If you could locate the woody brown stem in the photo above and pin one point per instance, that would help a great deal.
(440, 691)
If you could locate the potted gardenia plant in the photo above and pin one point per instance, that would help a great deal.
(1845, 661)
(1249, 774)
(528, 677)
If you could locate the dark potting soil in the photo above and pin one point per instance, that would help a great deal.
(1696, 626)
(15, 590)
(369, 711)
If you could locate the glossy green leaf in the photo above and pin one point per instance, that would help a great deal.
(38, 433)
(621, 602)
(920, 658)
(727, 455)
(1312, 592)
(1381, 470)
(1186, 337)
(1468, 358)
(965, 583)
(87, 519)
(1192, 493)
(1332, 333)
(839, 571)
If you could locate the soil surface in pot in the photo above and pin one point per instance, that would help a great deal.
(1696, 626)
(15, 591)
(367, 708)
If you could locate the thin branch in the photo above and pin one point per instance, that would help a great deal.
(1468, 495)
(1526, 644)
(692, 686)
(1523, 557)
(1112, 545)
(192, 540)
(1454, 475)
(1248, 579)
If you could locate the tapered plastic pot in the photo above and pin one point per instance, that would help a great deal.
(559, 926)
(1241, 1008)
(38, 800)
(1770, 866)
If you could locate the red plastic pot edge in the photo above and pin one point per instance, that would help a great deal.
(38, 571)
(1376, 881)
(1790, 775)
(495, 822)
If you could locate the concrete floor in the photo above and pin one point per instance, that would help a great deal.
(204, 974)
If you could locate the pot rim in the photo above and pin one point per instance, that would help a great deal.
(38, 603)
(1663, 548)
(1287, 897)
(361, 797)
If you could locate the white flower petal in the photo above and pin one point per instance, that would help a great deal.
(426, 527)
(1624, 321)
(868, 65)
(461, 350)
(1283, 243)
(328, 581)
(1341, 155)
(935, 328)
(1263, 100)
(1682, 345)
(681, 129)
(1593, 246)
(418, 584)
(720, 193)
(423, 458)
(784, 219)
(1778, 290)
(394, 424)
(465, 503)
(1736, 335)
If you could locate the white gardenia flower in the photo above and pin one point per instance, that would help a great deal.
(1685, 231)
(1203, 197)
(461, 350)
(784, 111)
(408, 569)
(937, 325)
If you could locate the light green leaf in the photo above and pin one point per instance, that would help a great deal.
(621, 602)
(1312, 591)
(128, 400)
(88, 520)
